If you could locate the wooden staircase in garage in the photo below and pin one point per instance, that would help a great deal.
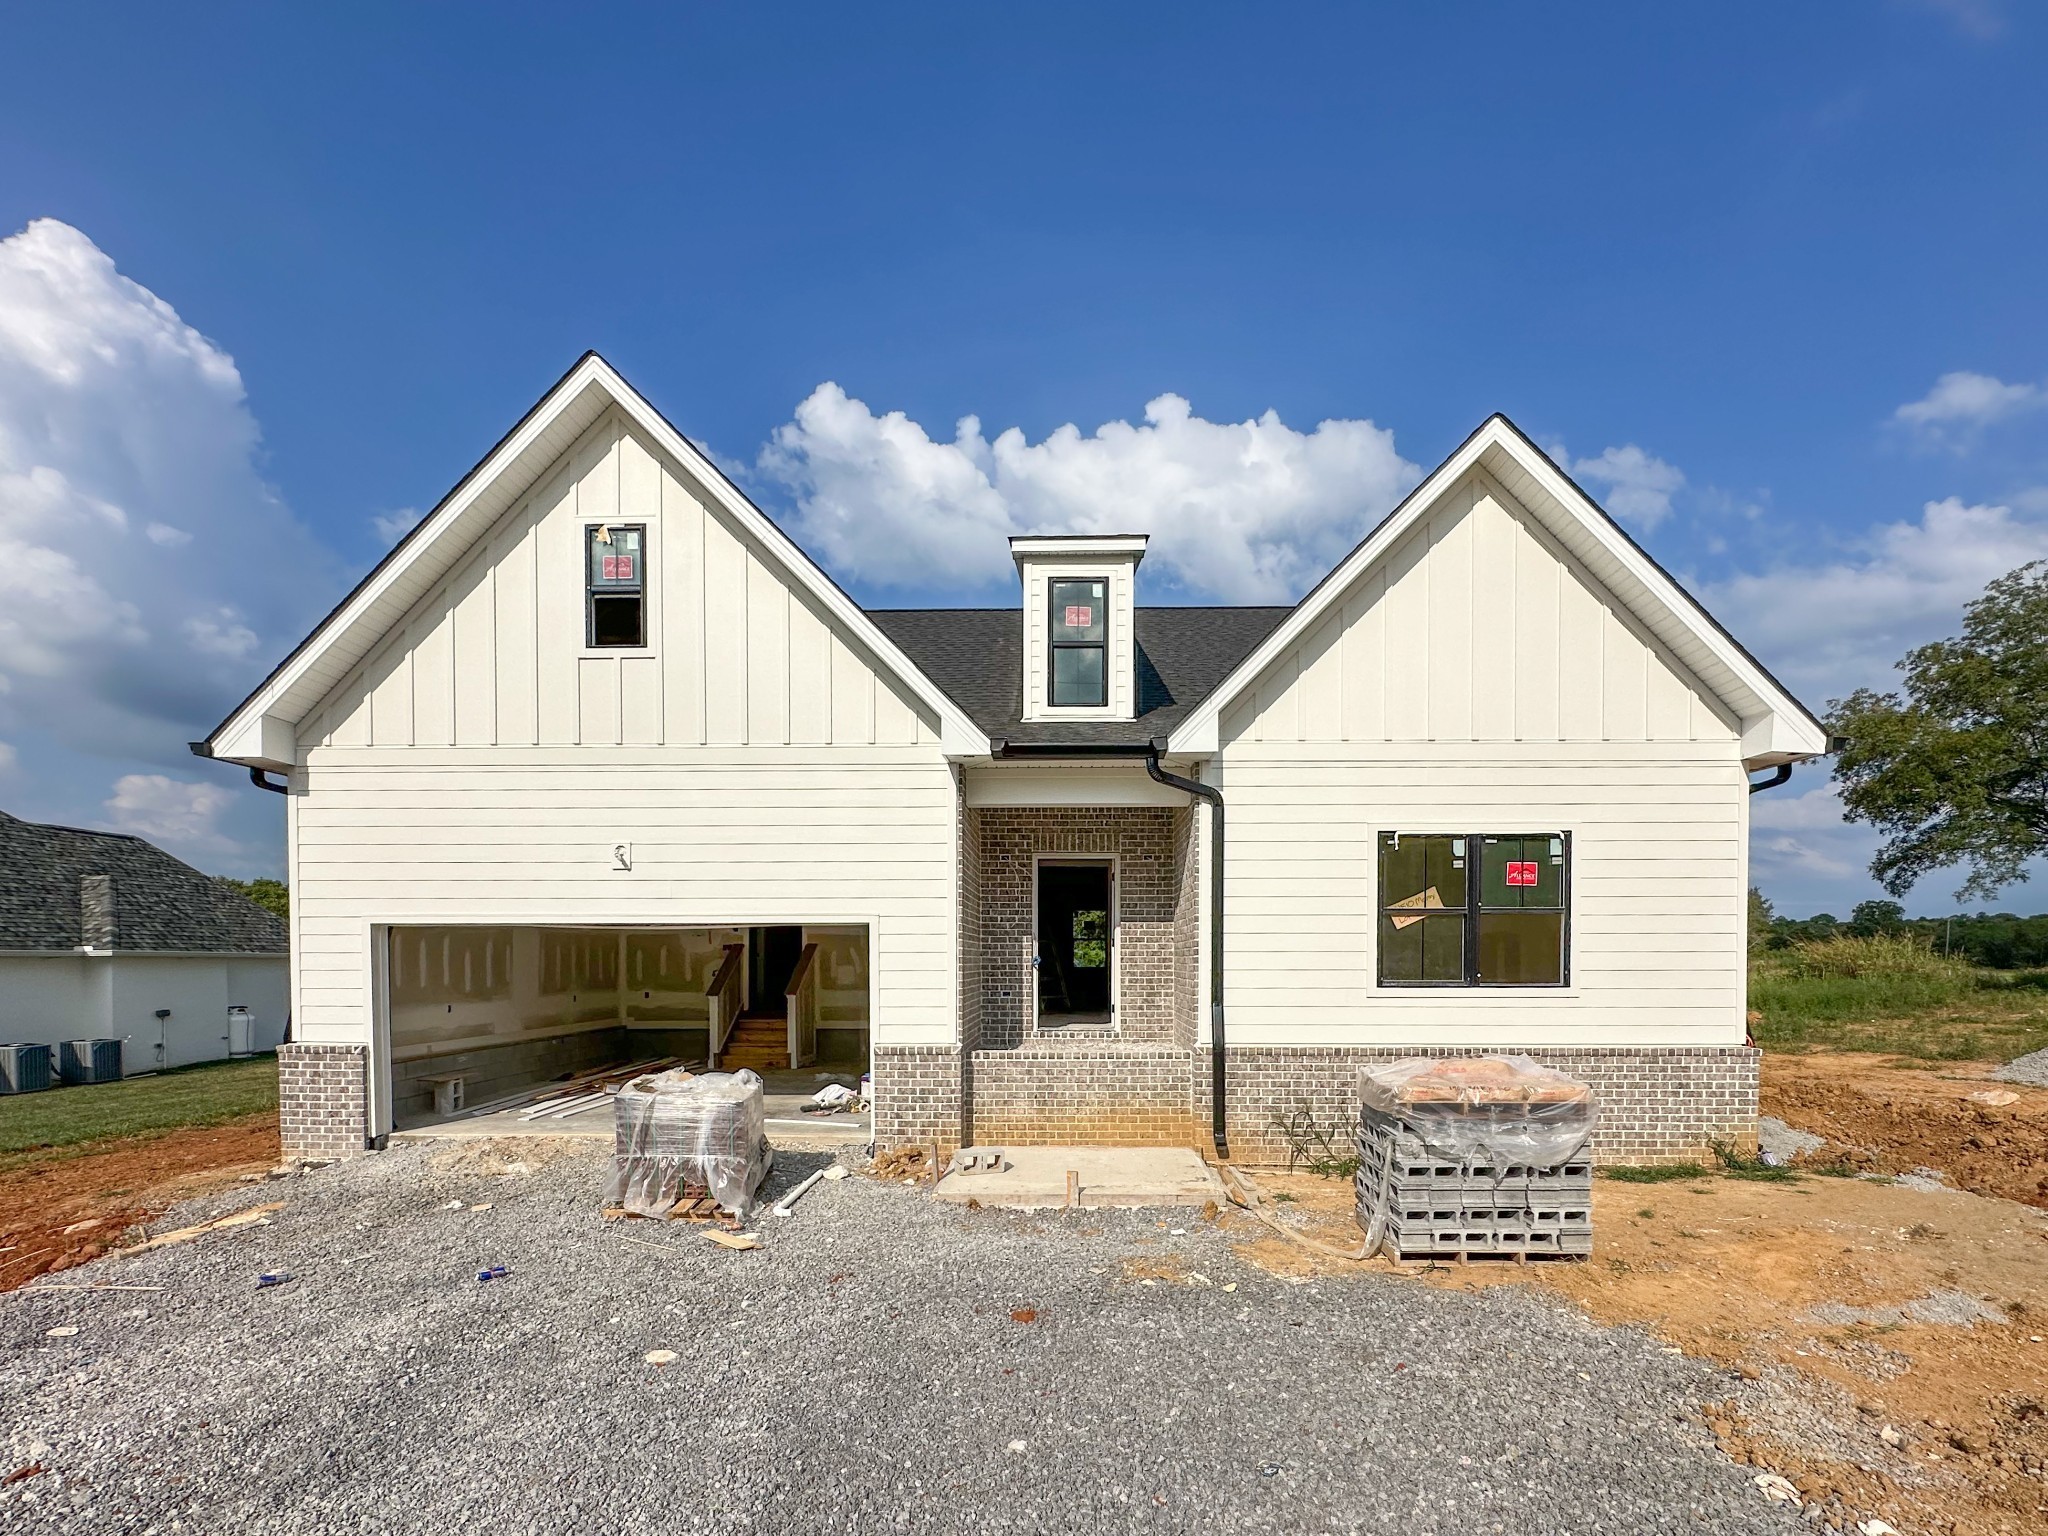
(758, 1042)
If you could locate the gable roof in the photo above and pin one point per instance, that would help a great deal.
(159, 903)
(259, 731)
(1776, 727)
(977, 656)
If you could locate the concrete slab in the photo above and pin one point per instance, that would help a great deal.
(782, 1094)
(1035, 1178)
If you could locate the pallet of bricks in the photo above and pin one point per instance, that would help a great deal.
(1488, 1157)
(688, 1147)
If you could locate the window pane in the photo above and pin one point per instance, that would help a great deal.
(615, 620)
(1422, 949)
(1077, 610)
(1522, 872)
(1521, 948)
(1425, 873)
(1077, 675)
(615, 557)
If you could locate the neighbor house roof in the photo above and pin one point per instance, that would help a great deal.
(64, 887)
(977, 656)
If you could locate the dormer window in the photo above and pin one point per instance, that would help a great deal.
(1080, 644)
(615, 583)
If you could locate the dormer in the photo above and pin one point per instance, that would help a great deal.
(1080, 606)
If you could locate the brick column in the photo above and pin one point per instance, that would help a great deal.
(323, 1100)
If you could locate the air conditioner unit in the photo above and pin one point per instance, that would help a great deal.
(24, 1068)
(89, 1061)
(241, 1032)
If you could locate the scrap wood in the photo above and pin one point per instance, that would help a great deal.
(732, 1239)
(256, 1215)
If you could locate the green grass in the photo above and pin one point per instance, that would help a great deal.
(76, 1118)
(1654, 1173)
(1896, 997)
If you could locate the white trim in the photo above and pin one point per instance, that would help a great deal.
(257, 731)
(1112, 863)
(1091, 545)
(1776, 727)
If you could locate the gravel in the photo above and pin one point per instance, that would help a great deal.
(862, 1370)
(1785, 1141)
(2031, 1069)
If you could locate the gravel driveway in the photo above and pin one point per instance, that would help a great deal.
(862, 1371)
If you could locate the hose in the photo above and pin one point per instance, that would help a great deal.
(1243, 1192)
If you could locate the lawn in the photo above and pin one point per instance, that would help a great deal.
(73, 1118)
(1872, 995)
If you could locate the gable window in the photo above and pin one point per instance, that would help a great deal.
(615, 585)
(1080, 643)
(1475, 909)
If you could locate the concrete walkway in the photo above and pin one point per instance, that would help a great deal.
(1035, 1178)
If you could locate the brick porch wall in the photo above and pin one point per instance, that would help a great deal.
(323, 1108)
(1187, 926)
(1141, 838)
(1657, 1104)
(1101, 1093)
(969, 958)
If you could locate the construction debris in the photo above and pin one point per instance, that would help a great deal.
(255, 1216)
(675, 1130)
(906, 1164)
(740, 1240)
(783, 1206)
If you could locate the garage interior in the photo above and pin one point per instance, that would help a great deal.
(507, 1011)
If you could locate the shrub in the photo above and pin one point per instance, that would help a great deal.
(1878, 954)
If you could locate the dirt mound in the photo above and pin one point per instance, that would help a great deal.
(67, 1210)
(509, 1156)
(1880, 1117)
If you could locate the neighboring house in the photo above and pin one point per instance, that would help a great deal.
(105, 936)
(598, 765)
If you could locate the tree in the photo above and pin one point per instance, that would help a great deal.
(271, 895)
(1760, 915)
(1867, 919)
(1956, 771)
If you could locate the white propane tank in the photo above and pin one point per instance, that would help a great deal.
(241, 1032)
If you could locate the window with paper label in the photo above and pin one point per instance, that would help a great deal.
(615, 586)
(1474, 909)
(1079, 637)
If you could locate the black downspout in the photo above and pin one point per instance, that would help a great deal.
(256, 777)
(1217, 1058)
(1778, 776)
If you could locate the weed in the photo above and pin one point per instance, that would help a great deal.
(1325, 1151)
(1654, 1173)
(1748, 1165)
(1647, 1214)
(1285, 1198)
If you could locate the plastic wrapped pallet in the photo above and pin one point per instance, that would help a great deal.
(1486, 1156)
(676, 1131)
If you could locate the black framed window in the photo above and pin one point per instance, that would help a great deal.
(1475, 909)
(1080, 642)
(615, 585)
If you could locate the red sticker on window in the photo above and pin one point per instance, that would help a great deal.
(1079, 616)
(1520, 873)
(618, 567)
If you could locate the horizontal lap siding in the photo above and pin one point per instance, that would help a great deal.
(1657, 902)
(512, 837)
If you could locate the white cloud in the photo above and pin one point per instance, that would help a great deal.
(393, 526)
(183, 816)
(1635, 486)
(1956, 411)
(1251, 511)
(1829, 627)
(8, 758)
(115, 415)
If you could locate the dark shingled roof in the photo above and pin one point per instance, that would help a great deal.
(976, 656)
(159, 902)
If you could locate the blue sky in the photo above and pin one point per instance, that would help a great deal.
(1768, 277)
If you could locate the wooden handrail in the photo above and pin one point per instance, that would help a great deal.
(802, 971)
(734, 953)
(723, 1002)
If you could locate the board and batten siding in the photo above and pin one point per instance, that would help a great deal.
(1479, 680)
(481, 763)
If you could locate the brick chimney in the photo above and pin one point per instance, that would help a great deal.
(96, 911)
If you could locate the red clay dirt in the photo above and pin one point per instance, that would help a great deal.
(64, 1211)
(1882, 1116)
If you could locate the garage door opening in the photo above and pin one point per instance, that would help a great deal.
(484, 1020)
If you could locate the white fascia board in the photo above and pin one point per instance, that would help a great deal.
(240, 738)
(1087, 546)
(1761, 698)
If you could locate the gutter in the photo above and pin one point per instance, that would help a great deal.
(256, 775)
(1149, 752)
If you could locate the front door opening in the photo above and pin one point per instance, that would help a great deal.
(1076, 945)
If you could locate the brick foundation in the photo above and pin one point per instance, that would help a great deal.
(917, 1095)
(322, 1100)
(1100, 1094)
(1657, 1104)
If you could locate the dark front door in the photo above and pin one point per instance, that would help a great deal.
(771, 957)
(1074, 941)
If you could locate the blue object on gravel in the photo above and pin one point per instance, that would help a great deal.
(495, 1272)
(272, 1277)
